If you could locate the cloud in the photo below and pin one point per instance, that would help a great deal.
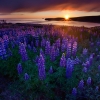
(10, 6)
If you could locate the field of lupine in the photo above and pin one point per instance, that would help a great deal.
(50, 62)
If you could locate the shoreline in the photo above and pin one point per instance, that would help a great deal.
(8, 25)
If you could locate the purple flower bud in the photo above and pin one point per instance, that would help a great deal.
(57, 52)
(81, 85)
(89, 81)
(99, 67)
(41, 67)
(52, 53)
(74, 49)
(51, 70)
(85, 51)
(47, 48)
(23, 52)
(58, 43)
(63, 47)
(84, 70)
(77, 61)
(34, 49)
(69, 68)
(19, 68)
(86, 64)
(91, 59)
(63, 61)
(42, 53)
(26, 76)
(96, 89)
(69, 47)
(74, 91)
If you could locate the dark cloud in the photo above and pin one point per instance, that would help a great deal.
(9, 6)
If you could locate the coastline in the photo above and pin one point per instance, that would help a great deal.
(12, 25)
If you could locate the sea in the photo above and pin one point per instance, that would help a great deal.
(43, 21)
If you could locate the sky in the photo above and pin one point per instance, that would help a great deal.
(29, 9)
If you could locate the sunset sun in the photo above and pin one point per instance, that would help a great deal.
(66, 16)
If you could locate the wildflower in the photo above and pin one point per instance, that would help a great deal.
(19, 68)
(63, 61)
(81, 85)
(23, 52)
(26, 76)
(96, 89)
(89, 81)
(84, 70)
(69, 68)
(85, 51)
(74, 91)
(51, 70)
(52, 53)
(41, 67)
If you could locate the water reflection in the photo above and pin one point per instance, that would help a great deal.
(42, 21)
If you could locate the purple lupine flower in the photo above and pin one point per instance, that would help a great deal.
(84, 70)
(12, 44)
(91, 43)
(52, 53)
(85, 51)
(41, 67)
(10, 52)
(26, 76)
(58, 43)
(43, 42)
(87, 64)
(99, 67)
(98, 43)
(91, 59)
(98, 57)
(68, 53)
(25, 44)
(23, 52)
(47, 48)
(34, 49)
(42, 53)
(29, 47)
(89, 81)
(36, 59)
(74, 49)
(6, 41)
(81, 85)
(51, 70)
(63, 47)
(64, 41)
(96, 49)
(63, 61)
(3, 50)
(96, 89)
(69, 68)
(77, 61)
(19, 68)
(74, 92)
(84, 64)
(37, 43)
(57, 52)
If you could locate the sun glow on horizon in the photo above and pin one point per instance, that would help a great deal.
(66, 16)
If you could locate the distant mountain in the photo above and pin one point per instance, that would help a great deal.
(94, 19)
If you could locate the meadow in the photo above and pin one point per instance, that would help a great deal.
(49, 62)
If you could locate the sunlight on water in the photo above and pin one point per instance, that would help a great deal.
(42, 21)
